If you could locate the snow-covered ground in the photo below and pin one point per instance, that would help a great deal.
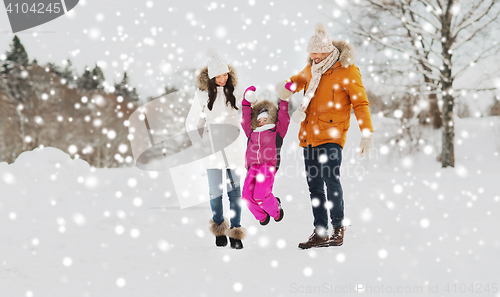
(414, 229)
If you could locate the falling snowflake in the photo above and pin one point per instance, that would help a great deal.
(308, 271)
(163, 245)
(134, 233)
(281, 243)
(137, 201)
(119, 230)
(237, 287)
(67, 261)
(366, 215)
(72, 149)
(79, 219)
(260, 177)
(120, 282)
(8, 178)
(382, 254)
(132, 182)
(340, 258)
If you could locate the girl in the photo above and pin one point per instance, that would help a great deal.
(216, 102)
(265, 125)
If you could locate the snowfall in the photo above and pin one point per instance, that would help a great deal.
(413, 228)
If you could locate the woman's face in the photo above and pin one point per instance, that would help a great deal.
(221, 80)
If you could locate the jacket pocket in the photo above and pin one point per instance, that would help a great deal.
(330, 127)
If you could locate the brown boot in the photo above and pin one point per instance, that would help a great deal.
(219, 231)
(236, 235)
(337, 238)
(315, 240)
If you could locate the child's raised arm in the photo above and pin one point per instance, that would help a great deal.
(283, 116)
(248, 99)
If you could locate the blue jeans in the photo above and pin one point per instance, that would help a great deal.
(233, 191)
(322, 165)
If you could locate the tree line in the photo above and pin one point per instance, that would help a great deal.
(48, 105)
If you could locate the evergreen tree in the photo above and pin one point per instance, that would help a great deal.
(54, 68)
(16, 56)
(91, 80)
(86, 82)
(133, 95)
(98, 77)
(68, 73)
(125, 90)
(121, 89)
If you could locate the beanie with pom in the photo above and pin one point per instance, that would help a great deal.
(216, 65)
(320, 42)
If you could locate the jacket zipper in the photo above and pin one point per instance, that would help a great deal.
(258, 149)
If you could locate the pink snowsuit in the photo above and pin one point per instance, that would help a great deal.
(262, 156)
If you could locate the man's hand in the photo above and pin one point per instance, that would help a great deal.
(366, 144)
(285, 89)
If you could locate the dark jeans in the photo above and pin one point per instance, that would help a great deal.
(233, 192)
(322, 164)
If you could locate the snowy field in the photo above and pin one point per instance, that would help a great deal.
(414, 229)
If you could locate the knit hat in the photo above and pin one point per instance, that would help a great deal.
(320, 42)
(216, 65)
(263, 114)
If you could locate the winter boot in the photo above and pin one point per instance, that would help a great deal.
(282, 212)
(219, 231)
(337, 238)
(315, 240)
(235, 237)
(266, 220)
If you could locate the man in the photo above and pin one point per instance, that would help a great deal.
(332, 85)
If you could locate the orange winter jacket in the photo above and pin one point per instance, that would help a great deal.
(328, 114)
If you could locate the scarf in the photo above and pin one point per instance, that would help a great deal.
(264, 127)
(317, 70)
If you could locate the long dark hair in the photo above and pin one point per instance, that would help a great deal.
(228, 91)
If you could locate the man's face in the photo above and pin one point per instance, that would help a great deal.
(318, 57)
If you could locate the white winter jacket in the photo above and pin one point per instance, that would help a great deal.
(227, 139)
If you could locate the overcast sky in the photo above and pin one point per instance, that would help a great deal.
(152, 38)
(265, 40)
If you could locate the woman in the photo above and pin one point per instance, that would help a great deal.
(216, 103)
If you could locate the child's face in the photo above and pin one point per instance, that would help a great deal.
(262, 121)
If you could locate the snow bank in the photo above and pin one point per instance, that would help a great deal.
(119, 232)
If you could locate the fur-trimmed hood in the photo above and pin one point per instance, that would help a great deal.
(272, 109)
(347, 53)
(203, 78)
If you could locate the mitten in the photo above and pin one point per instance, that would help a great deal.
(298, 116)
(366, 144)
(249, 94)
(285, 89)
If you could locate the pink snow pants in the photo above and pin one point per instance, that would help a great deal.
(257, 191)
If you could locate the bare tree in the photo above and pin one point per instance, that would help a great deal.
(441, 40)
